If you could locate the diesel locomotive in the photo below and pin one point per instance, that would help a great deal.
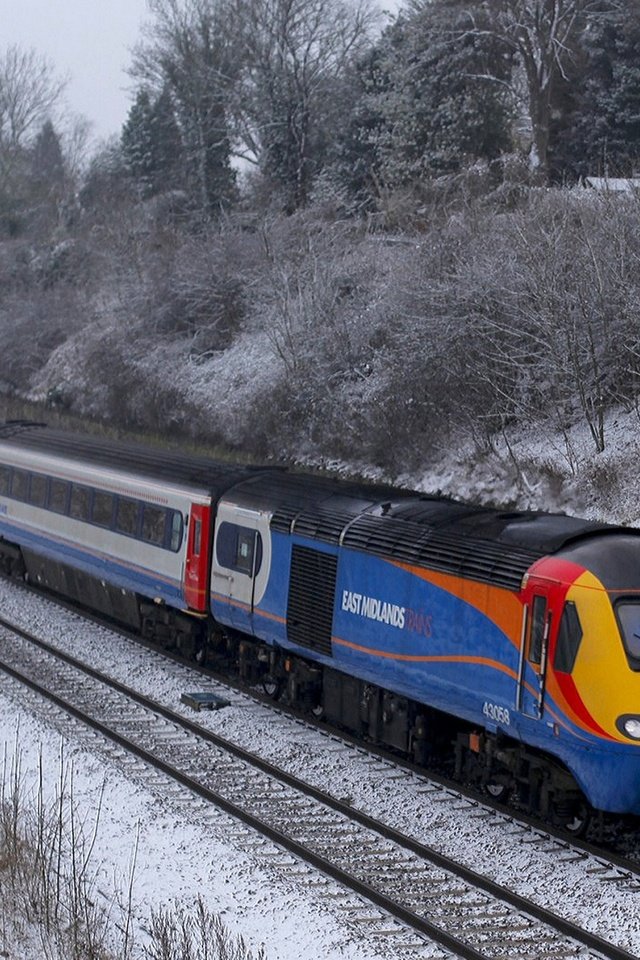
(507, 641)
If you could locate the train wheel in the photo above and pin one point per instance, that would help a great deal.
(573, 818)
(497, 790)
(272, 687)
(317, 711)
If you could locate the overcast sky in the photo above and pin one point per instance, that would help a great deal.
(87, 40)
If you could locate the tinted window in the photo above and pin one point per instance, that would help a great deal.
(20, 485)
(227, 545)
(629, 619)
(80, 500)
(569, 637)
(58, 495)
(102, 513)
(537, 629)
(197, 537)
(153, 525)
(5, 480)
(176, 530)
(127, 516)
(236, 547)
(244, 557)
(38, 490)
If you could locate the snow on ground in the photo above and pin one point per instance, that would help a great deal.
(532, 469)
(549, 470)
(175, 859)
(179, 858)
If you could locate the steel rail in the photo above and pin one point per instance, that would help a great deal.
(559, 924)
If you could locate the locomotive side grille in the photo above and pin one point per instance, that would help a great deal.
(312, 590)
(486, 561)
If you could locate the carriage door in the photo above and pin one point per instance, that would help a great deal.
(534, 654)
(238, 568)
(197, 558)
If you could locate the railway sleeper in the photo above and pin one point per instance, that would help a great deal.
(421, 733)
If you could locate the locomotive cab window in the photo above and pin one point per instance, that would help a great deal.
(239, 548)
(628, 613)
(569, 637)
(538, 626)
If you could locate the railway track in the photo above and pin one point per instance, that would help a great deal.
(430, 894)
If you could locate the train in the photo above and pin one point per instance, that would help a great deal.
(504, 643)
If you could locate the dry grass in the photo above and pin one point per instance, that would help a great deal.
(50, 907)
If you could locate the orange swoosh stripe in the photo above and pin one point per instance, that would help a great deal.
(416, 658)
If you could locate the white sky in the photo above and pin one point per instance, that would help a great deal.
(87, 40)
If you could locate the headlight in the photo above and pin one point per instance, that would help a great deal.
(629, 725)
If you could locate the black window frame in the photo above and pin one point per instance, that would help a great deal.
(538, 628)
(228, 537)
(34, 480)
(18, 473)
(96, 500)
(130, 529)
(569, 639)
(7, 472)
(175, 530)
(196, 545)
(633, 658)
(82, 495)
(86, 492)
(58, 482)
(154, 542)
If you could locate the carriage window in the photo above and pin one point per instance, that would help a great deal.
(176, 530)
(197, 537)
(79, 507)
(58, 495)
(153, 525)
(5, 480)
(20, 484)
(244, 557)
(538, 620)
(127, 516)
(38, 490)
(102, 512)
(569, 637)
(227, 545)
(236, 547)
(629, 619)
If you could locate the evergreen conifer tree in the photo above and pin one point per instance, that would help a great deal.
(138, 143)
(604, 135)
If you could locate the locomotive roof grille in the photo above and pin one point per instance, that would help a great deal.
(483, 560)
(486, 561)
(326, 525)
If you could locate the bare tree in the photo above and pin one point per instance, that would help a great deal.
(293, 54)
(187, 53)
(29, 90)
(543, 36)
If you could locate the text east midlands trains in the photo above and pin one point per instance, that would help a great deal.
(390, 613)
